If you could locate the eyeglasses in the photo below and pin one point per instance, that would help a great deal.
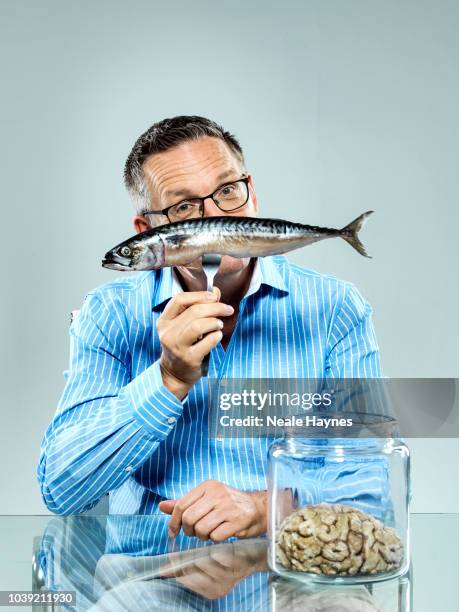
(227, 197)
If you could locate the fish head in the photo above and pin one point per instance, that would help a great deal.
(138, 253)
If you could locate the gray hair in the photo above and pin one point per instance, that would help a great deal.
(165, 135)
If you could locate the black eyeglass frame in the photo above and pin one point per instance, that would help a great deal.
(165, 211)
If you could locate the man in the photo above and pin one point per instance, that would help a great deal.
(132, 420)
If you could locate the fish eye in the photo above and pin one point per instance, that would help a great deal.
(125, 251)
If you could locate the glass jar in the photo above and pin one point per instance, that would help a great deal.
(339, 509)
(395, 595)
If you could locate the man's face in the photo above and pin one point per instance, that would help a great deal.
(195, 169)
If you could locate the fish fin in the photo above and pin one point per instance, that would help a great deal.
(350, 233)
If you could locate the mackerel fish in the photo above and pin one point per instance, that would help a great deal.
(182, 242)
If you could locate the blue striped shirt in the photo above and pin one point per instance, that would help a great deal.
(118, 430)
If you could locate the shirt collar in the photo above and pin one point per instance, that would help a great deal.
(265, 272)
(163, 287)
(270, 274)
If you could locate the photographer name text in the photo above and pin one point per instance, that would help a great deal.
(275, 421)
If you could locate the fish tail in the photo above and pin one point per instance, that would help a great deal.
(350, 233)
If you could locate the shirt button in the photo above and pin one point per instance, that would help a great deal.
(219, 439)
(129, 468)
(171, 420)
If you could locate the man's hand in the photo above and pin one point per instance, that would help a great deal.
(216, 511)
(189, 328)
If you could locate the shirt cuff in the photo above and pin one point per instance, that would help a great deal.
(155, 407)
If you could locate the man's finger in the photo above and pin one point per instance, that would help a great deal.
(203, 311)
(197, 329)
(204, 346)
(204, 527)
(182, 504)
(184, 300)
(223, 532)
(195, 513)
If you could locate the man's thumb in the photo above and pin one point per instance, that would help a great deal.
(167, 505)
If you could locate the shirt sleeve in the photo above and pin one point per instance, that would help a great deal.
(353, 349)
(106, 425)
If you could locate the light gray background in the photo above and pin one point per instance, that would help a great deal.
(341, 107)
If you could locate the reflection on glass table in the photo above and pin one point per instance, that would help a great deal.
(124, 563)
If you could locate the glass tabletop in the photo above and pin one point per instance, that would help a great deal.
(114, 563)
